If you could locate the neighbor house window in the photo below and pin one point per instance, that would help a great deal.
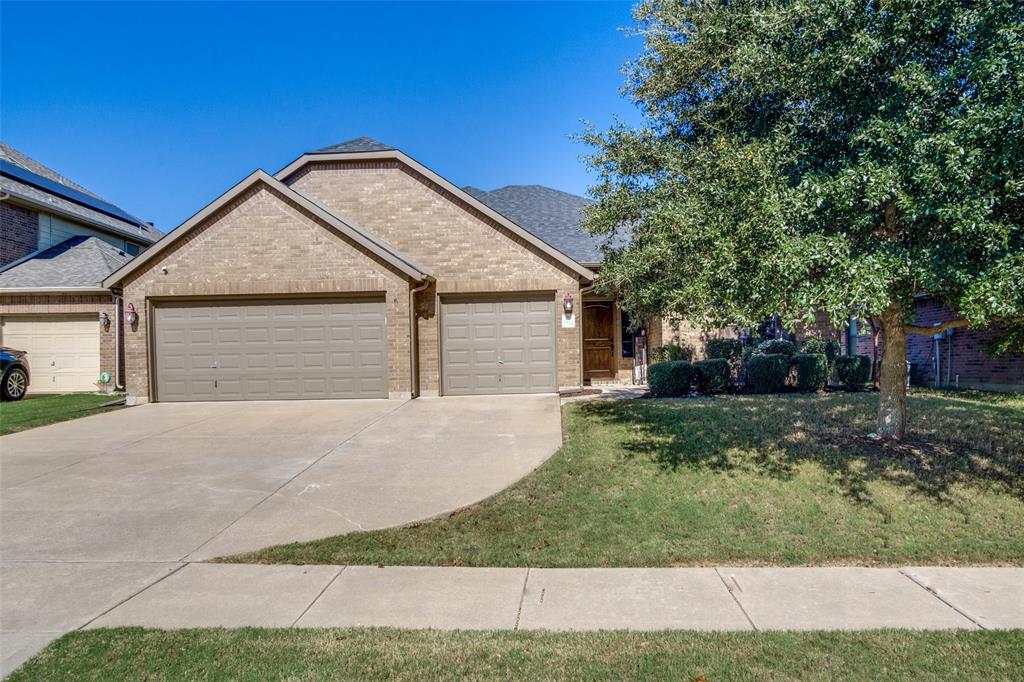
(132, 249)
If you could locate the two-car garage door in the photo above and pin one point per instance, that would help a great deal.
(271, 350)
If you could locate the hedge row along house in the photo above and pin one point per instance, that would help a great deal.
(353, 272)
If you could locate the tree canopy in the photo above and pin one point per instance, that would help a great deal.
(804, 155)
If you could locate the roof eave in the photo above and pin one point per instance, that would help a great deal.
(380, 250)
(53, 290)
(297, 164)
(17, 198)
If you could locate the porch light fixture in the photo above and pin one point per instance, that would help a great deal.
(567, 304)
(130, 314)
(104, 321)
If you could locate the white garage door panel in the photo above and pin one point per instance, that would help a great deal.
(261, 350)
(499, 345)
(63, 350)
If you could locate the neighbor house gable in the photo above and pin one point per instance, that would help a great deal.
(259, 179)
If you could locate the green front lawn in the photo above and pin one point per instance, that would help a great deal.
(31, 412)
(785, 479)
(133, 653)
(260, 654)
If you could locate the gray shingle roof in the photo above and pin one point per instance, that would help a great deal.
(41, 192)
(76, 262)
(549, 214)
(359, 144)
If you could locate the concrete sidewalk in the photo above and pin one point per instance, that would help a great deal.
(233, 595)
(185, 595)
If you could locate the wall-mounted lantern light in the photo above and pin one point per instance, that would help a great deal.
(567, 304)
(104, 321)
(130, 314)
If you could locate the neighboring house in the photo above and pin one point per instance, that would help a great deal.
(958, 358)
(58, 241)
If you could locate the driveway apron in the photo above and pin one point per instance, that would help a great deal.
(94, 510)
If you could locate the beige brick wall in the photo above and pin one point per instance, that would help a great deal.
(663, 332)
(42, 304)
(261, 244)
(463, 249)
(822, 328)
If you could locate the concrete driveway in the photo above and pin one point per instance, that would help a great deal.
(94, 510)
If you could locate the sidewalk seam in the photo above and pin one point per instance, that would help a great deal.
(735, 599)
(912, 578)
(131, 596)
(318, 595)
(276, 490)
(522, 597)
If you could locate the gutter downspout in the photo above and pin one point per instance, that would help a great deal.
(851, 336)
(118, 314)
(414, 341)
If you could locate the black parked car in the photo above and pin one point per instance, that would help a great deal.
(14, 370)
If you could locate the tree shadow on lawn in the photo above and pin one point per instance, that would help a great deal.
(951, 444)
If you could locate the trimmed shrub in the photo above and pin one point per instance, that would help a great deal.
(829, 348)
(725, 349)
(670, 353)
(712, 375)
(777, 347)
(853, 371)
(832, 350)
(813, 346)
(767, 373)
(670, 379)
(811, 371)
(748, 352)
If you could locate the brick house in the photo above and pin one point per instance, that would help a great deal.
(356, 271)
(58, 241)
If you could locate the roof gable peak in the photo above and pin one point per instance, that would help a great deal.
(356, 145)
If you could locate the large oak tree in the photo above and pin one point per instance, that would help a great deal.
(841, 156)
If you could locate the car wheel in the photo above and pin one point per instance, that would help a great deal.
(14, 385)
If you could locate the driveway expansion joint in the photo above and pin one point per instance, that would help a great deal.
(131, 596)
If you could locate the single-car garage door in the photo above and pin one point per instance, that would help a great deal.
(63, 350)
(270, 350)
(498, 345)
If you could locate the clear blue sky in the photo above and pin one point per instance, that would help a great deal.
(162, 107)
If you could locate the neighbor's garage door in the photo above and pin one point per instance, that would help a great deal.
(498, 345)
(262, 350)
(63, 350)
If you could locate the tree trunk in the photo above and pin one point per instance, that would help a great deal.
(892, 376)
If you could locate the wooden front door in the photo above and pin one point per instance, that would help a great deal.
(598, 340)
